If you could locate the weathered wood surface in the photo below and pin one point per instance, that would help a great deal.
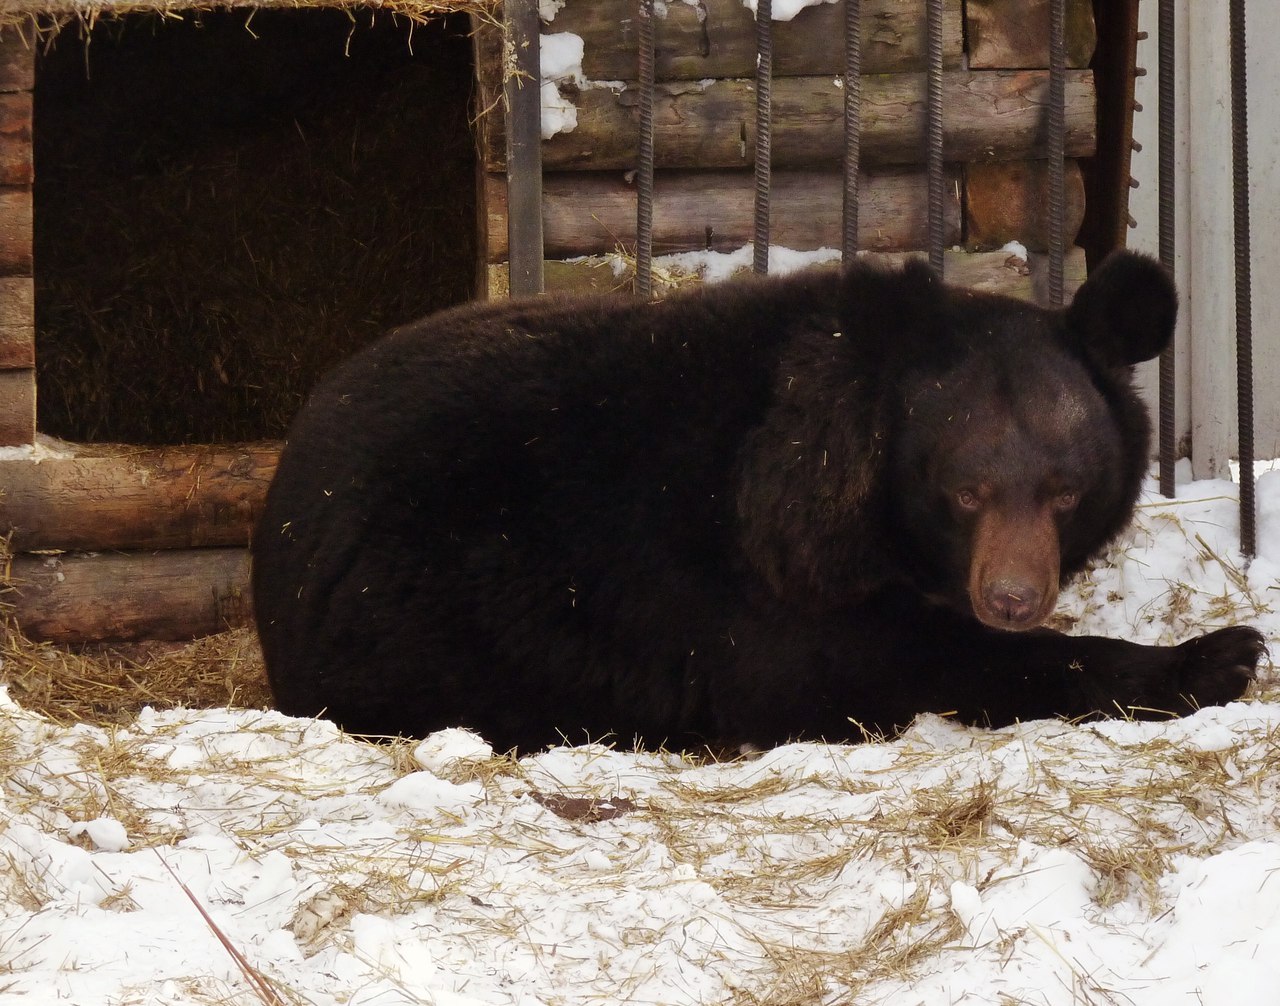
(15, 231)
(121, 497)
(1014, 34)
(17, 62)
(1009, 201)
(987, 115)
(587, 212)
(17, 407)
(15, 139)
(17, 323)
(995, 272)
(716, 38)
(178, 594)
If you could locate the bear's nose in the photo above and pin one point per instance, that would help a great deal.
(1012, 602)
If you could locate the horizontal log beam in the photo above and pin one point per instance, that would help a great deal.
(129, 595)
(119, 497)
(995, 272)
(1015, 33)
(716, 38)
(988, 115)
(586, 213)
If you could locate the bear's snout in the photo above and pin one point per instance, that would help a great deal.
(1011, 604)
(1014, 566)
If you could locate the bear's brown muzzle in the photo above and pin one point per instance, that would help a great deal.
(1014, 566)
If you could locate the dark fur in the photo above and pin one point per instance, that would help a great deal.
(729, 517)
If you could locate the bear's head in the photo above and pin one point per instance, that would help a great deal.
(1019, 445)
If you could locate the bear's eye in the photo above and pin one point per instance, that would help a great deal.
(1066, 500)
(967, 499)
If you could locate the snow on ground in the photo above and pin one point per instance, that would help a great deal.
(1047, 863)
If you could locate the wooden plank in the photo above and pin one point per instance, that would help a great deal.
(989, 115)
(17, 62)
(1014, 34)
(15, 139)
(178, 594)
(15, 231)
(994, 272)
(716, 38)
(121, 497)
(1009, 201)
(17, 323)
(588, 212)
(17, 407)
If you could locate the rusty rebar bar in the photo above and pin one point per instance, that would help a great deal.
(764, 119)
(1244, 275)
(852, 127)
(644, 156)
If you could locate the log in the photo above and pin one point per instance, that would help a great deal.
(15, 231)
(15, 139)
(995, 272)
(1010, 202)
(17, 62)
(17, 407)
(716, 39)
(587, 212)
(17, 323)
(119, 497)
(121, 596)
(1014, 34)
(988, 115)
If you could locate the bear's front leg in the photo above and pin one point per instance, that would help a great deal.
(1043, 673)
(1126, 679)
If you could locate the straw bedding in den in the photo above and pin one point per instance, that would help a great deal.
(229, 202)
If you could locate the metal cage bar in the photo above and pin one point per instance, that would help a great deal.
(1244, 274)
(933, 128)
(1057, 149)
(852, 127)
(644, 159)
(1167, 234)
(524, 149)
(764, 133)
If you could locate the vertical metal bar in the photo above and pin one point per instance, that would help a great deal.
(644, 173)
(524, 148)
(937, 222)
(764, 94)
(1057, 148)
(1167, 232)
(1244, 276)
(852, 126)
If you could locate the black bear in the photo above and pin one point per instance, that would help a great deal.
(769, 509)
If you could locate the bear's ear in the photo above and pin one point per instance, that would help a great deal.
(1125, 311)
(894, 313)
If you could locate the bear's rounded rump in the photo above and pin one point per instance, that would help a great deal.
(756, 511)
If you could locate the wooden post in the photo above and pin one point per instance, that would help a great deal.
(17, 302)
(524, 147)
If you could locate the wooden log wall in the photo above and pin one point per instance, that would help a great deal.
(113, 542)
(17, 290)
(996, 81)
